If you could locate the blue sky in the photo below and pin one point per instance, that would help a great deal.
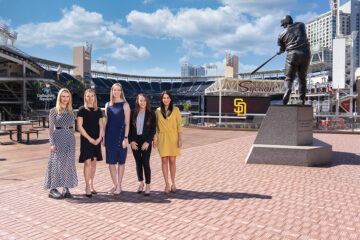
(153, 37)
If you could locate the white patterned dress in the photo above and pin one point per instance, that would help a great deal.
(61, 171)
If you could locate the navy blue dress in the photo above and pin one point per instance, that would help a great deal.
(114, 134)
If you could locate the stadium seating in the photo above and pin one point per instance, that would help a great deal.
(156, 86)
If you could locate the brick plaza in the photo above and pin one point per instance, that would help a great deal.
(219, 196)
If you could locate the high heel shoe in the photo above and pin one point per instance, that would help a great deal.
(86, 193)
(112, 191)
(141, 188)
(173, 188)
(66, 193)
(147, 193)
(167, 189)
(117, 192)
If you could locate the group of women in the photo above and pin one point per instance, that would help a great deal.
(140, 129)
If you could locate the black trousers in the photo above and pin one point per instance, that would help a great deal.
(142, 159)
(297, 61)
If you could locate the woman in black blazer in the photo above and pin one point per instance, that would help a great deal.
(142, 131)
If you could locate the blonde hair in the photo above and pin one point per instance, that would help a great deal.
(122, 96)
(85, 102)
(58, 101)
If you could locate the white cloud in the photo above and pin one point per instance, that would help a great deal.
(147, 1)
(101, 68)
(156, 71)
(221, 68)
(117, 28)
(306, 17)
(219, 29)
(150, 25)
(129, 52)
(184, 59)
(190, 24)
(75, 28)
(246, 68)
(259, 7)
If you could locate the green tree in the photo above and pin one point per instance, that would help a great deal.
(69, 85)
(81, 89)
(186, 107)
(37, 87)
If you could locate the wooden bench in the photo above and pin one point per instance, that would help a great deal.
(30, 132)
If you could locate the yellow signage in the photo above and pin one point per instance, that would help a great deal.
(239, 107)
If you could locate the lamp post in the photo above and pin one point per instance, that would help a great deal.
(352, 72)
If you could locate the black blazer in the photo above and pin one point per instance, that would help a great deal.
(148, 131)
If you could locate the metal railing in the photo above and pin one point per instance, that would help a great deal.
(321, 123)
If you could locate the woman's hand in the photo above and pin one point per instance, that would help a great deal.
(145, 146)
(98, 141)
(180, 143)
(125, 143)
(154, 143)
(92, 141)
(134, 145)
(103, 141)
(53, 148)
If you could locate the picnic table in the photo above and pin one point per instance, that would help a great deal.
(18, 125)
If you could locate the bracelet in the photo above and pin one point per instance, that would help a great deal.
(125, 137)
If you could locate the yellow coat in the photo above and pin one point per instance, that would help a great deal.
(167, 131)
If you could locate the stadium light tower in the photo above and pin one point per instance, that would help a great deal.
(104, 63)
(211, 66)
(5, 34)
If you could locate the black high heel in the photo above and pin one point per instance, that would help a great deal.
(140, 189)
(88, 195)
(147, 193)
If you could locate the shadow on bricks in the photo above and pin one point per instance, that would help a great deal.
(160, 197)
(38, 142)
(343, 158)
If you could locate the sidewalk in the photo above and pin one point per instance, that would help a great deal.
(219, 197)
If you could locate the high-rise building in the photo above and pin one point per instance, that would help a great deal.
(189, 70)
(334, 40)
(231, 65)
(339, 22)
(82, 62)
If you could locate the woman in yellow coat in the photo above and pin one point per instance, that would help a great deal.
(168, 138)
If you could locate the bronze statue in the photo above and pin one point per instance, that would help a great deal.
(293, 39)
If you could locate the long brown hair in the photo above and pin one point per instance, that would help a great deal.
(162, 105)
(137, 110)
(122, 96)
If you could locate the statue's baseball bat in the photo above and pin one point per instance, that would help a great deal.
(263, 64)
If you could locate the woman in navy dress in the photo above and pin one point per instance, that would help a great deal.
(117, 115)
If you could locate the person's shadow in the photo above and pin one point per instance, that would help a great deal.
(161, 197)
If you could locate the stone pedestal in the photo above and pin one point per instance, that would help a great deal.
(285, 138)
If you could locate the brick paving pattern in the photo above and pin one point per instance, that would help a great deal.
(219, 196)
